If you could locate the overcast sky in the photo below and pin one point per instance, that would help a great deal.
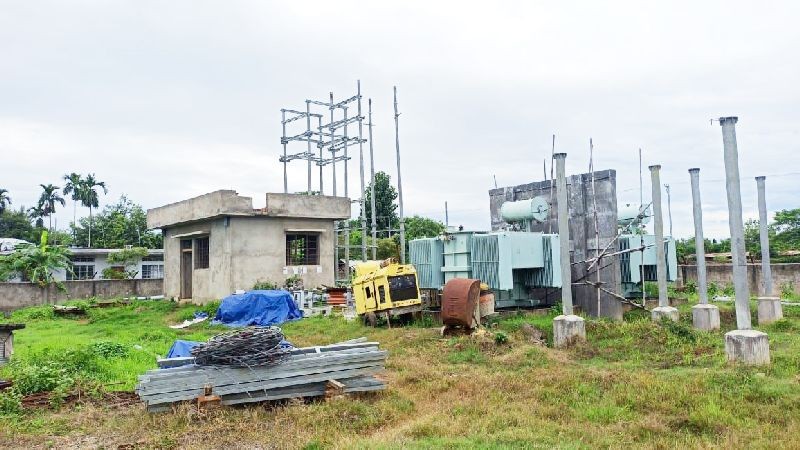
(168, 100)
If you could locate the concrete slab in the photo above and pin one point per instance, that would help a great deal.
(748, 347)
(705, 317)
(664, 311)
(769, 310)
(567, 329)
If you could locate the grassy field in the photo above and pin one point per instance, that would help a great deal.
(632, 384)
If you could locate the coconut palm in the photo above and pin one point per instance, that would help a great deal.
(89, 197)
(5, 200)
(73, 185)
(48, 200)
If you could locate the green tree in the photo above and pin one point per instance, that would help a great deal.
(787, 229)
(73, 184)
(5, 200)
(127, 258)
(420, 227)
(37, 215)
(48, 200)
(388, 248)
(385, 206)
(17, 225)
(89, 197)
(118, 225)
(35, 263)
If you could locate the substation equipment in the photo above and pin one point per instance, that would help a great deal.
(637, 267)
(513, 262)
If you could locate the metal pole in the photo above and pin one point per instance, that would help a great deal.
(333, 156)
(399, 181)
(641, 186)
(283, 140)
(766, 269)
(321, 158)
(733, 188)
(669, 209)
(361, 166)
(446, 216)
(563, 233)
(308, 141)
(372, 184)
(699, 240)
(658, 225)
(346, 194)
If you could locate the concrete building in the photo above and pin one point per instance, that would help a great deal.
(217, 243)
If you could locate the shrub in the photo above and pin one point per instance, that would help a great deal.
(728, 290)
(787, 291)
(713, 290)
(690, 287)
(500, 338)
(107, 349)
(264, 286)
(10, 403)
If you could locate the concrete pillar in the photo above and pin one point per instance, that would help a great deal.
(567, 328)
(663, 310)
(769, 306)
(704, 315)
(766, 270)
(744, 345)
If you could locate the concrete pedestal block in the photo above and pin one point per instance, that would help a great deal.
(769, 310)
(567, 329)
(748, 347)
(705, 317)
(664, 311)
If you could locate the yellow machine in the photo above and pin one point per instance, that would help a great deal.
(385, 287)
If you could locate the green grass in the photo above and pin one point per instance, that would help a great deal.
(634, 383)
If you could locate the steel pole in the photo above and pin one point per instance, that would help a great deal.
(399, 181)
(766, 269)
(361, 167)
(699, 240)
(563, 233)
(333, 156)
(374, 223)
(661, 266)
(283, 140)
(308, 142)
(669, 208)
(733, 188)
(347, 196)
(321, 158)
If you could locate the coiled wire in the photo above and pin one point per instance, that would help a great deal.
(250, 347)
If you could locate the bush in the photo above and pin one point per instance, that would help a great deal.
(690, 287)
(787, 291)
(500, 338)
(264, 286)
(10, 403)
(107, 349)
(713, 290)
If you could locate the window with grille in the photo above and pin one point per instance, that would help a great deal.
(152, 271)
(81, 272)
(201, 253)
(302, 249)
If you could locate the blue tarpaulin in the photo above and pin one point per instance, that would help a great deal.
(182, 348)
(257, 308)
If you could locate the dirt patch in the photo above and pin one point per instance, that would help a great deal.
(106, 399)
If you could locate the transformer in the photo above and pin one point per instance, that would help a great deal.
(457, 245)
(426, 255)
(636, 264)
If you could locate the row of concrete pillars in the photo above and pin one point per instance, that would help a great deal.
(743, 345)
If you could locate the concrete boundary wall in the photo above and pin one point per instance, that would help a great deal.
(722, 274)
(14, 296)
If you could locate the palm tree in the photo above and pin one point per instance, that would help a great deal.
(5, 200)
(37, 214)
(89, 197)
(73, 185)
(48, 200)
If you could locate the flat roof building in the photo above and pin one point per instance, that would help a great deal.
(217, 243)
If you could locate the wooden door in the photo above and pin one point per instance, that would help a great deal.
(186, 270)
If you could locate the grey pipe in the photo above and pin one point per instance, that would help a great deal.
(699, 240)
(733, 188)
(766, 269)
(563, 233)
(658, 225)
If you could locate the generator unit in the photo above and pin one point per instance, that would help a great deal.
(638, 266)
(385, 287)
(513, 263)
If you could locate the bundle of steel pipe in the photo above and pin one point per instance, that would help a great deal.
(306, 372)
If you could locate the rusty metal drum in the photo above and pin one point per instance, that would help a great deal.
(459, 300)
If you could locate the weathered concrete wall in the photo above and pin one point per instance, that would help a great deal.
(19, 295)
(307, 206)
(722, 274)
(581, 227)
(244, 250)
(213, 204)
